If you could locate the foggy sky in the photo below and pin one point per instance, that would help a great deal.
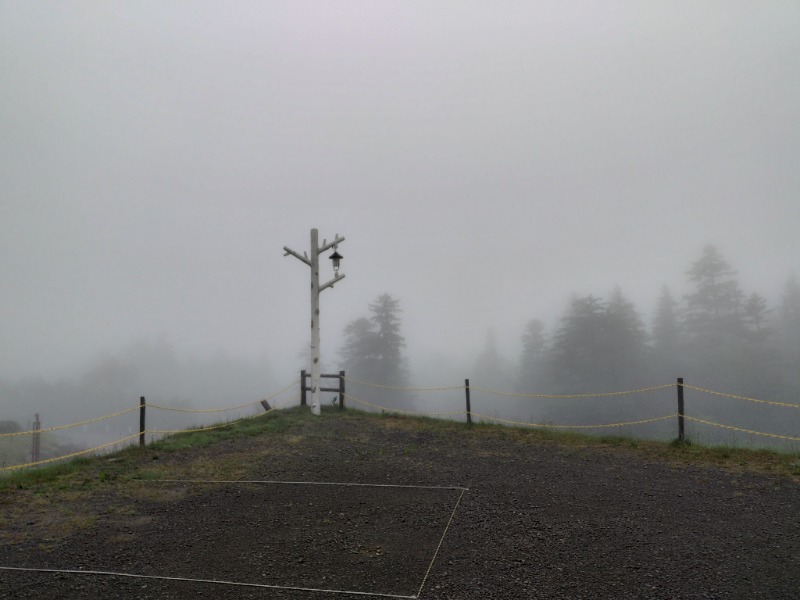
(483, 160)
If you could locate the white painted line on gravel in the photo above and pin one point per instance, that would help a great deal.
(211, 581)
(379, 485)
(441, 541)
(263, 585)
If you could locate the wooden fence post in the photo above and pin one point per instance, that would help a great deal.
(141, 421)
(469, 410)
(341, 390)
(681, 436)
(36, 440)
(303, 387)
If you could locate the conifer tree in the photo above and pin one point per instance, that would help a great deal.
(624, 342)
(373, 348)
(714, 308)
(532, 359)
(575, 357)
(666, 327)
(716, 345)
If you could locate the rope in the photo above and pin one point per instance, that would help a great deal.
(200, 410)
(405, 412)
(772, 435)
(210, 410)
(771, 402)
(515, 394)
(602, 394)
(405, 389)
(127, 410)
(73, 455)
(218, 426)
(213, 581)
(125, 439)
(60, 427)
(672, 416)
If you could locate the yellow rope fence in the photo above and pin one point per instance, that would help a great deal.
(712, 392)
(147, 431)
(406, 412)
(731, 427)
(562, 396)
(210, 427)
(548, 426)
(403, 389)
(567, 396)
(211, 410)
(147, 405)
(524, 423)
(72, 455)
(502, 393)
(409, 412)
(62, 427)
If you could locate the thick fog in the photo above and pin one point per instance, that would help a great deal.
(485, 164)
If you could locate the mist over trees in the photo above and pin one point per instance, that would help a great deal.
(490, 370)
(715, 335)
(115, 382)
(534, 352)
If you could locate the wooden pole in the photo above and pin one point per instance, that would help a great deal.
(469, 410)
(36, 440)
(141, 421)
(315, 366)
(316, 288)
(341, 390)
(681, 435)
(303, 387)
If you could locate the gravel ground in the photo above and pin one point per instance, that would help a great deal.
(538, 520)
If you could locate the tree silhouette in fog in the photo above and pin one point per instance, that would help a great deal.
(373, 347)
(532, 361)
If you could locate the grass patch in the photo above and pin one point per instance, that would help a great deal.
(619, 440)
(89, 472)
(275, 422)
(82, 475)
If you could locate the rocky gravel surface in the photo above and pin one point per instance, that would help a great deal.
(537, 520)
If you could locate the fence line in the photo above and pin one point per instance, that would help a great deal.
(148, 405)
(62, 427)
(199, 410)
(210, 427)
(525, 423)
(403, 389)
(468, 413)
(142, 431)
(566, 396)
(680, 415)
(72, 455)
(503, 393)
(146, 431)
(550, 426)
(407, 412)
(772, 435)
(770, 402)
(211, 410)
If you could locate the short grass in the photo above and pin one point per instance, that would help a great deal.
(84, 474)
(141, 463)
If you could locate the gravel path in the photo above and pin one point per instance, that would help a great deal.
(538, 520)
